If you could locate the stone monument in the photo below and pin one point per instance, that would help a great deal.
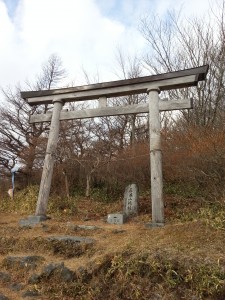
(131, 200)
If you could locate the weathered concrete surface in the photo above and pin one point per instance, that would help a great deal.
(154, 225)
(116, 218)
(31, 221)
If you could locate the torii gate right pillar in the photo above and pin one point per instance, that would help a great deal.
(155, 159)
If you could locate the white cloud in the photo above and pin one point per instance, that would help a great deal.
(7, 45)
(75, 30)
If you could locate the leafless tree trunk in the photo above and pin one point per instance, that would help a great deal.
(88, 185)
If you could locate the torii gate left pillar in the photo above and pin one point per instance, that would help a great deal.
(47, 172)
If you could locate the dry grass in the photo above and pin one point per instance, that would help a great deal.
(184, 259)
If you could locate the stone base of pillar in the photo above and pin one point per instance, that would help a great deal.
(154, 225)
(31, 221)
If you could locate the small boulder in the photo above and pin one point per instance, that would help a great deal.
(59, 270)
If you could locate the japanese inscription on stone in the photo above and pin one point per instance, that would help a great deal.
(131, 200)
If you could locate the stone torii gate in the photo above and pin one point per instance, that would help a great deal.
(152, 85)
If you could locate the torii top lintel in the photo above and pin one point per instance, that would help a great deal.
(166, 81)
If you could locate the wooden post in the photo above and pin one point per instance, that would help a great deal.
(102, 102)
(47, 172)
(155, 159)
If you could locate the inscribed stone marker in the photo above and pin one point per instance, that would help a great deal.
(131, 200)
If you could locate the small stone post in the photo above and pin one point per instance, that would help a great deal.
(47, 172)
(155, 159)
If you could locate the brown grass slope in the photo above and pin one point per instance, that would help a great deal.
(183, 260)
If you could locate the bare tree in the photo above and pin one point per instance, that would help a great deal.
(177, 43)
(128, 67)
(21, 141)
(51, 75)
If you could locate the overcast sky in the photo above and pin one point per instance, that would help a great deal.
(83, 33)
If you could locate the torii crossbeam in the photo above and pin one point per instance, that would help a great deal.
(151, 85)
